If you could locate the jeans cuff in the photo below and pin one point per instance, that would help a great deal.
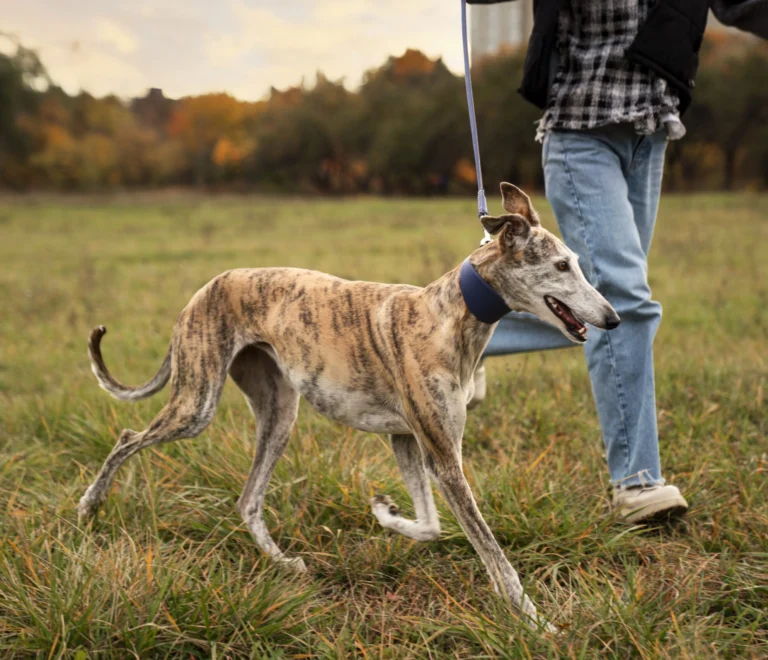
(642, 478)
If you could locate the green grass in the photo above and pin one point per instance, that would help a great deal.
(169, 570)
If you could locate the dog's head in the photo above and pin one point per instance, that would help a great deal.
(534, 271)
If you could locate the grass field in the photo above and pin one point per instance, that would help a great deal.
(169, 569)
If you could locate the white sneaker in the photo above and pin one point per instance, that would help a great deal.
(480, 387)
(649, 503)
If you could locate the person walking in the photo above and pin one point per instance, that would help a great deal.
(614, 78)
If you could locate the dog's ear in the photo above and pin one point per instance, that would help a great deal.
(516, 232)
(516, 201)
(495, 223)
(514, 229)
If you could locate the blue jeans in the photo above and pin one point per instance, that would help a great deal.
(604, 186)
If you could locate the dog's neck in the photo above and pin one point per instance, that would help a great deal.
(449, 306)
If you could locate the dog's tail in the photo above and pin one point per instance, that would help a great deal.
(116, 389)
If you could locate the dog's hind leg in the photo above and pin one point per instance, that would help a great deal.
(409, 458)
(201, 349)
(275, 405)
(185, 416)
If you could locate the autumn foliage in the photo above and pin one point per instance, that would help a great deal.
(404, 131)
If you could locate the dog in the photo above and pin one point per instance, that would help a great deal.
(383, 358)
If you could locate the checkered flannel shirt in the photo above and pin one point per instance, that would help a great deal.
(595, 83)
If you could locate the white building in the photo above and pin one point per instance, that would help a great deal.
(499, 26)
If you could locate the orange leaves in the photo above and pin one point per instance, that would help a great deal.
(412, 62)
(404, 130)
(464, 171)
(207, 117)
(227, 153)
(215, 131)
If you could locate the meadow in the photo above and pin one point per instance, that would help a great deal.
(170, 570)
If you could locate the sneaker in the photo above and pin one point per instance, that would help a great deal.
(642, 504)
(479, 393)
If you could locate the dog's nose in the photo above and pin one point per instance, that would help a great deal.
(612, 321)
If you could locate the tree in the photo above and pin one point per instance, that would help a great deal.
(301, 140)
(411, 125)
(731, 105)
(405, 131)
(22, 77)
(741, 89)
(507, 123)
(199, 122)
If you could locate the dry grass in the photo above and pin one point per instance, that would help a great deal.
(169, 569)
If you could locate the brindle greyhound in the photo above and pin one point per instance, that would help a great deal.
(384, 358)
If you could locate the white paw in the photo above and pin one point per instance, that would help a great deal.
(294, 564)
(548, 627)
(385, 510)
(389, 517)
(86, 508)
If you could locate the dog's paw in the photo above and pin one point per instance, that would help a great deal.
(88, 506)
(383, 505)
(551, 629)
(86, 510)
(293, 564)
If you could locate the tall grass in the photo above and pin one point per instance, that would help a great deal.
(169, 569)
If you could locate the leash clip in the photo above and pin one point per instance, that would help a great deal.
(482, 211)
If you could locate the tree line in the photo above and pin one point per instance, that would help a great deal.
(404, 131)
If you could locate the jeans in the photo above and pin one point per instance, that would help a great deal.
(604, 186)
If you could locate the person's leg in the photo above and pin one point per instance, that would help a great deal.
(586, 182)
(523, 333)
(519, 332)
(644, 185)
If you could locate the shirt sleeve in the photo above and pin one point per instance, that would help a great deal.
(748, 15)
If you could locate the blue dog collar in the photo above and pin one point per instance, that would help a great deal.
(485, 304)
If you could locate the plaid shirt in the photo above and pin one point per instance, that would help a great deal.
(595, 83)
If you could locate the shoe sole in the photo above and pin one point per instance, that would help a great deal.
(657, 512)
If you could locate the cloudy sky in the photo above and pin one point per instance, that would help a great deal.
(238, 46)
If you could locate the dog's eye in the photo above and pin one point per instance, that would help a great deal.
(562, 265)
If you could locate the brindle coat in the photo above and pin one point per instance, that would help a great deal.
(384, 358)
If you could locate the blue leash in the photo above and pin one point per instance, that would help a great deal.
(481, 299)
(482, 206)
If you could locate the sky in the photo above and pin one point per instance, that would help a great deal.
(237, 46)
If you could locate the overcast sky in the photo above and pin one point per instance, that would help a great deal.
(238, 46)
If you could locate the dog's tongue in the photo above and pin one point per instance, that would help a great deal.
(568, 316)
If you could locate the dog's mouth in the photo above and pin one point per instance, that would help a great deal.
(572, 324)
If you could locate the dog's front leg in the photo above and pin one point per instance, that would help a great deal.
(438, 423)
(410, 460)
(456, 492)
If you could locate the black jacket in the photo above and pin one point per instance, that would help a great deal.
(668, 42)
